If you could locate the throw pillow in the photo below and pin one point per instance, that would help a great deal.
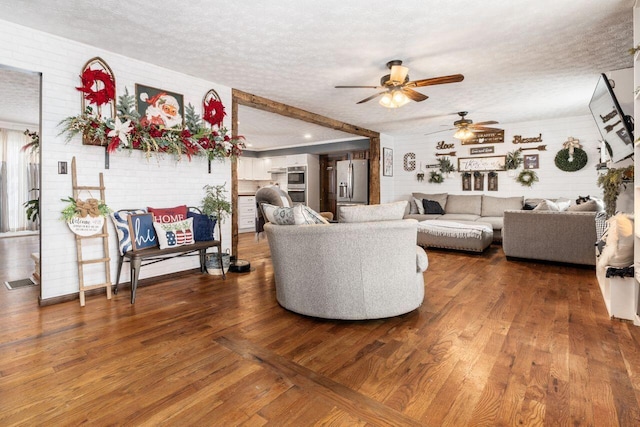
(177, 213)
(413, 208)
(547, 205)
(303, 214)
(203, 226)
(618, 250)
(367, 213)
(432, 207)
(173, 234)
(419, 205)
(438, 197)
(588, 206)
(121, 225)
(279, 215)
(528, 207)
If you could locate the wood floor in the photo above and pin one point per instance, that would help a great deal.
(495, 343)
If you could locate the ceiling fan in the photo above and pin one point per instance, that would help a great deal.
(398, 89)
(465, 128)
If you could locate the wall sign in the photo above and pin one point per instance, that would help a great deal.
(481, 150)
(492, 163)
(485, 137)
(518, 139)
(452, 154)
(443, 146)
(409, 162)
(531, 161)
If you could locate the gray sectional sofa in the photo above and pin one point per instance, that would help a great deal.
(468, 207)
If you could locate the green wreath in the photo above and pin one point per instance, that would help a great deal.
(527, 177)
(436, 177)
(580, 159)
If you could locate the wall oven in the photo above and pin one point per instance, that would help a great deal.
(298, 195)
(296, 175)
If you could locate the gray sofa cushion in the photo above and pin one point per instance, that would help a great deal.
(366, 213)
(460, 217)
(463, 204)
(496, 221)
(495, 206)
(423, 217)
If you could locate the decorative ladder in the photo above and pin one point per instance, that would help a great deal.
(104, 235)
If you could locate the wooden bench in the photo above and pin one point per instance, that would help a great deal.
(147, 256)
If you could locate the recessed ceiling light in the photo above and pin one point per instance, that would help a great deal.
(307, 135)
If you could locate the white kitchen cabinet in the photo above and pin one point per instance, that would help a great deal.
(297, 160)
(246, 214)
(245, 168)
(261, 169)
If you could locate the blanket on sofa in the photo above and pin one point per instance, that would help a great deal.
(452, 229)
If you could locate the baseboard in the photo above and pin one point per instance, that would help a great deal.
(102, 291)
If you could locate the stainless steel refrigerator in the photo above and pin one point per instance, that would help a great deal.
(353, 183)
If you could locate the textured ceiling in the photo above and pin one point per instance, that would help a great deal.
(20, 97)
(522, 60)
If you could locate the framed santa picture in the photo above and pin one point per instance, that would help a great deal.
(159, 107)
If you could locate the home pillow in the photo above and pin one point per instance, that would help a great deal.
(203, 226)
(173, 234)
(438, 197)
(177, 213)
(121, 225)
(419, 205)
(368, 213)
(279, 215)
(547, 205)
(590, 206)
(432, 207)
(303, 214)
(618, 249)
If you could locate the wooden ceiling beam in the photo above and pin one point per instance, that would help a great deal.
(260, 103)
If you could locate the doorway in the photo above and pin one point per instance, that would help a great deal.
(20, 172)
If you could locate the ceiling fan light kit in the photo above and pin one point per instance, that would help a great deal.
(397, 88)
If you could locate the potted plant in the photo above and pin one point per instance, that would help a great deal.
(612, 184)
(513, 159)
(215, 204)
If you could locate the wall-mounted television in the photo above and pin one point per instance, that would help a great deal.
(616, 128)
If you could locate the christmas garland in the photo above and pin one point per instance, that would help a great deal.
(527, 177)
(90, 78)
(579, 161)
(436, 177)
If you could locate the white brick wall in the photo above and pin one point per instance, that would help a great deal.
(132, 180)
(553, 182)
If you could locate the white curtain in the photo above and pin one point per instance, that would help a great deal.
(19, 181)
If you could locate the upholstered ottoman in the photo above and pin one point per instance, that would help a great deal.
(461, 235)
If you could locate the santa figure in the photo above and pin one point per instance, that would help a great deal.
(163, 110)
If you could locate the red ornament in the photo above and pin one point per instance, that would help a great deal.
(214, 112)
(99, 97)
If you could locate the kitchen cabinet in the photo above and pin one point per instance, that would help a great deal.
(261, 169)
(245, 168)
(297, 160)
(246, 214)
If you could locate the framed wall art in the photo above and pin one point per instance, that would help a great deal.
(472, 164)
(492, 181)
(387, 161)
(159, 107)
(478, 181)
(466, 181)
(531, 161)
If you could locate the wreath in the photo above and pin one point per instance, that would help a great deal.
(99, 97)
(579, 160)
(436, 177)
(214, 112)
(527, 177)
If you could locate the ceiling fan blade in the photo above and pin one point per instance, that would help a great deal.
(474, 128)
(490, 122)
(398, 74)
(413, 95)
(438, 131)
(371, 97)
(352, 87)
(436, 81)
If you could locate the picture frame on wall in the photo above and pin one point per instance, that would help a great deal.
(478, 181)
(159, 107)
(492, 181)
(387, 162)
(466, 181)
(531, 161)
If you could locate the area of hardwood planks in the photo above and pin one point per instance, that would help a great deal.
(494, 343)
